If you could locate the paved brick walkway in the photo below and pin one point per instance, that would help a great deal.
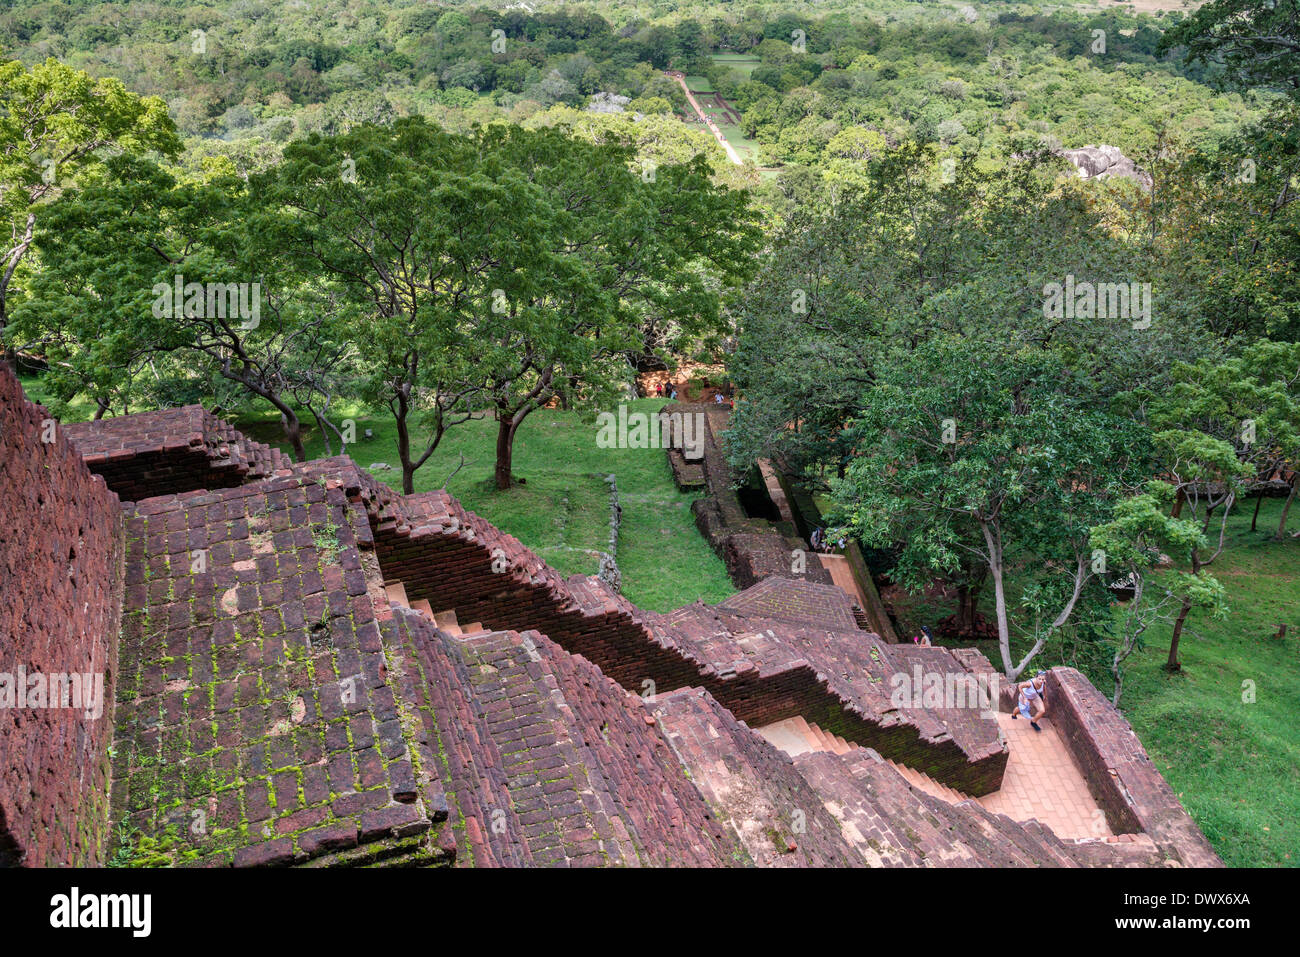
(1042, 782)
(842, 575)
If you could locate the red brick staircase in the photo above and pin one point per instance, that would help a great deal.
(445, 620)
(796, 736)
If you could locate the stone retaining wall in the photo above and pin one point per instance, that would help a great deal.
(61, 555)
(1120, 775)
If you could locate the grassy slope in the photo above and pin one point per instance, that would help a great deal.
(1234, 765)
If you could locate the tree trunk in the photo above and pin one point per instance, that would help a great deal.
(965, 611)
(324, 433)
(404, 447)
(7, 355)
(1281, 524)
(293, 432)
(1173, 664)
(101, 406)
(505, 450)
(1000, 601)
(1179, 499)
(1259, 499)
(968, 600)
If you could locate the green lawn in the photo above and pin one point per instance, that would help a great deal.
(562, 512)
(1234, 764)
(742, 63)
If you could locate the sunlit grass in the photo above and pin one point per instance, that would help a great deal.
(562, 511)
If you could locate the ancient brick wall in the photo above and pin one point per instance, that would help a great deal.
(171, 451)
(61, 553)
(751, 548)
(455, 560)
(1119, 773)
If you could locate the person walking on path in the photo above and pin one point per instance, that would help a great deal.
(1031, 702)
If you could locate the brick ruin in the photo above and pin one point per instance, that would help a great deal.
(303, 667)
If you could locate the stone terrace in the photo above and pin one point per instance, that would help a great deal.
(174, 450)
(256, 720)
(762, 669)
(276, 703)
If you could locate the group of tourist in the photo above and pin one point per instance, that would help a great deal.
(669, 391)
(821, 542)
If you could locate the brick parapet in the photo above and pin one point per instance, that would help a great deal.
(61, 573)
(1122, 778)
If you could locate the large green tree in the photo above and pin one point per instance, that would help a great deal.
(843, 288)
(55, 123)
(157, 289)
(970, 450)
(505, 269)
(1218, 427)
(1132, 543)
(1256, 42)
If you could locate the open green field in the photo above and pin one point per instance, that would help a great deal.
(562, 512)
(1234, 762)
(742, 63)
(698, 84)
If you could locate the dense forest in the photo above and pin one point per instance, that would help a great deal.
(244, 78)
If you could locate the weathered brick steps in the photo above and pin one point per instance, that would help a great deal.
(892, 823)
(172, 451)
(548, 762)
(231, 700)
(823, 808)
(687, 476)
(753, 787)
(254, 689)
(454, 559)
(848, 693)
